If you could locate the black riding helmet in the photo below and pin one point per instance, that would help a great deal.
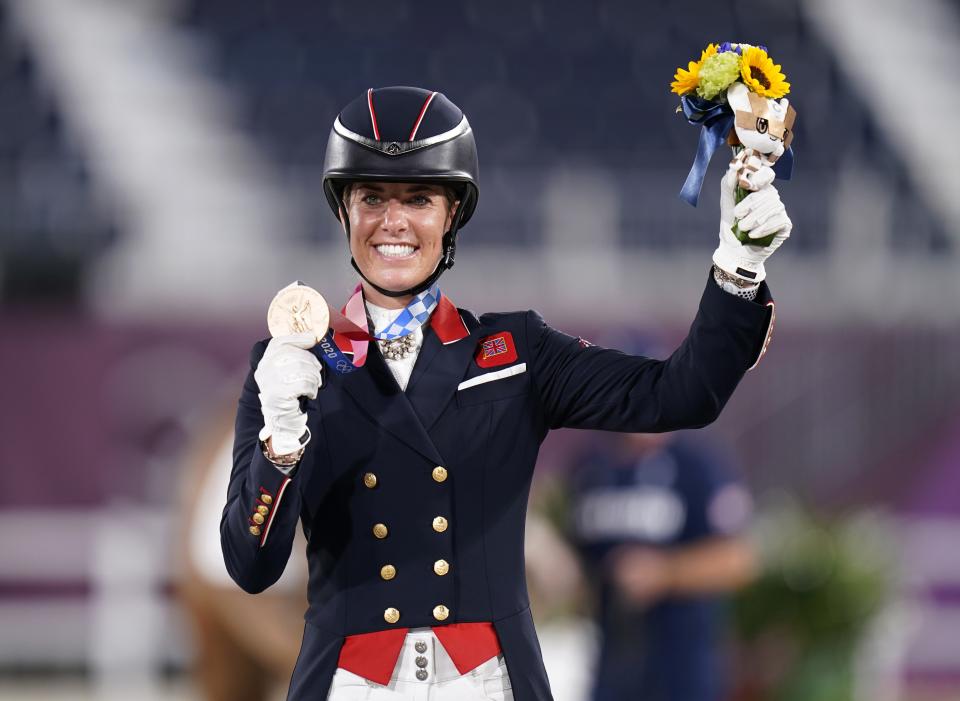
(404, 134)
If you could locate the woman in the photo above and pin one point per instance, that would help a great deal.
(410, 474)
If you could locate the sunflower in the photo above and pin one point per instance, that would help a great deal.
(686, 80)
(761, 75)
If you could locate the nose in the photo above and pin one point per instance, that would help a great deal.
(394, 217)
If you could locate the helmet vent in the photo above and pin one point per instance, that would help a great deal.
(373, 114)
(423, 111)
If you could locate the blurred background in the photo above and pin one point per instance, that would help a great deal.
(160, 179)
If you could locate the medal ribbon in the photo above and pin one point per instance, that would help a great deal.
(410, 318)
(413, 316)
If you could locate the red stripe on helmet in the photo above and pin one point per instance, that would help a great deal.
(373, 115)
(423, 111)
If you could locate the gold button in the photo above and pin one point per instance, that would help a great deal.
(388, 571)
(441, 567)
(391, 615)
(370, 480)
(441, 612)
(263, 510)
(258, 519)
(266, 499)
(380, 530)
(439, 473)
(255, 530)
(439, 524)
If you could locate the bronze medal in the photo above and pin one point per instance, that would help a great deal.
(297, 308)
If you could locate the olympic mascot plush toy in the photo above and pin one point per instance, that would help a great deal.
(737, 94)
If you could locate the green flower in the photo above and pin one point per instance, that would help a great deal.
(717, 73)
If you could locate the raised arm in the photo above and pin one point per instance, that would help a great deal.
(585, 386)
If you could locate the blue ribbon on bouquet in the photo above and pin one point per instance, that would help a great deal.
(716, 121)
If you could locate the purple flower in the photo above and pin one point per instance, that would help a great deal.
(727, 46)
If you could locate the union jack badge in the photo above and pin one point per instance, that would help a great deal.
(496, 350)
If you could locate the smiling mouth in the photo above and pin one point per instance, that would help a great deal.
(394, 250)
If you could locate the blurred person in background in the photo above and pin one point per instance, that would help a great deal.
(659, 520)
(418, 464)
(245, 646)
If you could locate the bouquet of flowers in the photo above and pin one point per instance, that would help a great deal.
(735, 92)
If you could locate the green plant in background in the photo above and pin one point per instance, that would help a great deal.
(801, 621)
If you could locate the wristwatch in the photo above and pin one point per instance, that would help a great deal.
(723, 276)
(735, 285)
(287, 459)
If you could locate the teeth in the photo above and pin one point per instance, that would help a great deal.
(395, 250)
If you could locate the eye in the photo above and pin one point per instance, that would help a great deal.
(420, 200)
(371, 199)
(761, 125)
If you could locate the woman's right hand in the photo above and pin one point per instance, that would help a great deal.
(286, 372)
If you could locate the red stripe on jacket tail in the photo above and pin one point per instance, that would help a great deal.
(372, 655)
(423, 111)
(373, 115)
(468, 644)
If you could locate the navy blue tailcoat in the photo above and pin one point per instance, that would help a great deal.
(373, 458)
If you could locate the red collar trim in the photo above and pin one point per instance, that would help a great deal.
(445, 321)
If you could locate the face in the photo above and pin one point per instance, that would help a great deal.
(763, 124)
(396, 231)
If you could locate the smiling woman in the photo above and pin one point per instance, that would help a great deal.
(425, 446)
(396, 234)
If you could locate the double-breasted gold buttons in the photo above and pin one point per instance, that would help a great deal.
(441, 612)
(257, 518)
(255, 530)
(391, 615)
(266, 499)
(263, 510)
(439, 524)
(439, 473)
(370, 480)
(380, 530)
(441, 567)
(388, 572)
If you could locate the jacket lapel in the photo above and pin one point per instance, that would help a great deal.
(377, 394)
(439, 369)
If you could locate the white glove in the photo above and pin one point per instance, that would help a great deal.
(286, 372)
(760, 214)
